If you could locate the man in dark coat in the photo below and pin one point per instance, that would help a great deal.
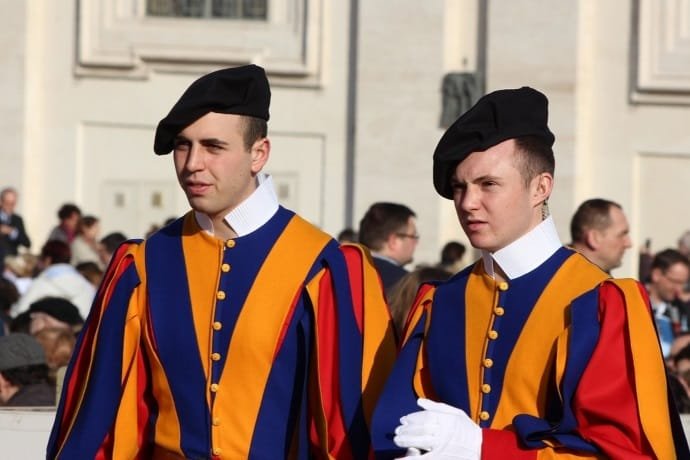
(389, 230)
(12, 233)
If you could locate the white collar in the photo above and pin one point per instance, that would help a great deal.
(526, 253)
(252, 213)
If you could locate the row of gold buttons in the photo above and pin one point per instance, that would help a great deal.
(217, 326)
(488, 362)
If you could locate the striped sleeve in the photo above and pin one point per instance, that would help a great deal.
(354, 351)
(106, 377)
(621, 402)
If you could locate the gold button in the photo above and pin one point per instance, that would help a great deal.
(486, 388)
(230, 243)
(216, 451)
(214, 387)
(220, 295)
(215, 357)
(217, 326)
(488, 362)
(493, 335)
(499, 311)
(484, 415)
(216, 421)
(503, 286)
(225, 268)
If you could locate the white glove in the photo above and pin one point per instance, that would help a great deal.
(445, 432)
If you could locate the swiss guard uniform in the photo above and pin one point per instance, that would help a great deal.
(554, 359)
(273, 344)
(558, 361)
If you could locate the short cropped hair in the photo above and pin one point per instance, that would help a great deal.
(591, 214)
(663, 260)
(67, 209)
(382, 220)
(537, 157)
(112, 241)
(254, 129)
(451, 252)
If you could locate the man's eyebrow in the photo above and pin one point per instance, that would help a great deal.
(180, 139)
(213, 140)
(483, 178)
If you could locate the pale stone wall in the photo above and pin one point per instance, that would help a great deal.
(72, 134)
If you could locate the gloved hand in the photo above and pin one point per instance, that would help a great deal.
(445, 432)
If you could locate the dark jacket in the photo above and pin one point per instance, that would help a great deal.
(9, 246)
(389, 272)
(37, 394)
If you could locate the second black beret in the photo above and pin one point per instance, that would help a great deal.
(496, 117)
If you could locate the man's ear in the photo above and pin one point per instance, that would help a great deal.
(592, 239)
(260, 152)
(390, 244)
(542, 187)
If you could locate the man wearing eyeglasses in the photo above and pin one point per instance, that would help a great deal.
(389, 230)
(669, 275)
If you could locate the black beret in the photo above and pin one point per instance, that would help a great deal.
(59, 308)
(240, 90)
(496, 117)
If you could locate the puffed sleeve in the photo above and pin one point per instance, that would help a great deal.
(354, 352)
(103, 410)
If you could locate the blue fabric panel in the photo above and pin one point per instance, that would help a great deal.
(446, 343)
(398, 397)
(518, 302)
(246, 258)
(175, 338)
(350, 348)
(285, 393)
(584, 335)
(102, 396)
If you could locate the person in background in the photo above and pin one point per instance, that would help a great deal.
(85, 247)
(91, 271)
(599, 231)
(239, 330)
(21, 270)
(69, 215)
(533, 351)
(8, 296)
(12, 232)
(54, 323)
(108, 245)
(404, 292)
(24, 379)
(681, 341)
(348, 235)
(57, 278)
(670, 271)
(389, 230)
(452, 255)
(54, 313)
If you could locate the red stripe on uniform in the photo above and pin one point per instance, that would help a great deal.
(328, 369)
(353, 259)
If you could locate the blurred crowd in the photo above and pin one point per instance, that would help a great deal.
(45, 295)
